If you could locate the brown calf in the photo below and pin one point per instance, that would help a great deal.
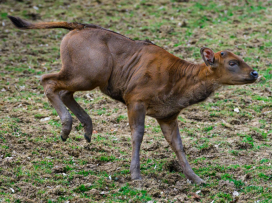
(145, 77)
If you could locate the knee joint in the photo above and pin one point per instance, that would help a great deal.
(49, 92)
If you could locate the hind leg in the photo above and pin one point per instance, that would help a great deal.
(52, 86)
(68, 99)
(85, 66)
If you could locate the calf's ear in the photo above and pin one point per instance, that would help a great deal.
(208, 56)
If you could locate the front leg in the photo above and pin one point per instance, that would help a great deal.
(136, 115)
(171, 133)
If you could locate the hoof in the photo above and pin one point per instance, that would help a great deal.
(87, 138)
(136, 177)
(197, 180)
(63, 139)
(200, 182)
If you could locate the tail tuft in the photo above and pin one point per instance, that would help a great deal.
(20, 23)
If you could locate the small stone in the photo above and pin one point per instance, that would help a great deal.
(7, 160)
(235, 193)
(268, 90)
(181, 197)
(154, 146)
(103, 193)
(22, 87)
(59, 169)
(182, 24)
(45, 119)
(88, 184)
(227, 125)
(245, 177)
(93, 192)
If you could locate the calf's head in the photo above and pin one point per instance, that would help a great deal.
(228, 68)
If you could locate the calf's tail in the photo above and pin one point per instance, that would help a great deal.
(23, 24)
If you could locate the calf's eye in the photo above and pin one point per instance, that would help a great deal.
(222, 53)
(232, 63)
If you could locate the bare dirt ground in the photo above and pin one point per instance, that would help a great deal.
(227, 138)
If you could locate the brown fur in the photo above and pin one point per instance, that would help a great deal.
(145, 77)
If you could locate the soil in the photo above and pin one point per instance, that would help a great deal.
(229, 150)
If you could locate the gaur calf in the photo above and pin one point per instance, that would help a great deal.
(145, 77)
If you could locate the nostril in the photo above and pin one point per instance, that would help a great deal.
(254, 74)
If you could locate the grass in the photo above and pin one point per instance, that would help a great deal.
(222, 146)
